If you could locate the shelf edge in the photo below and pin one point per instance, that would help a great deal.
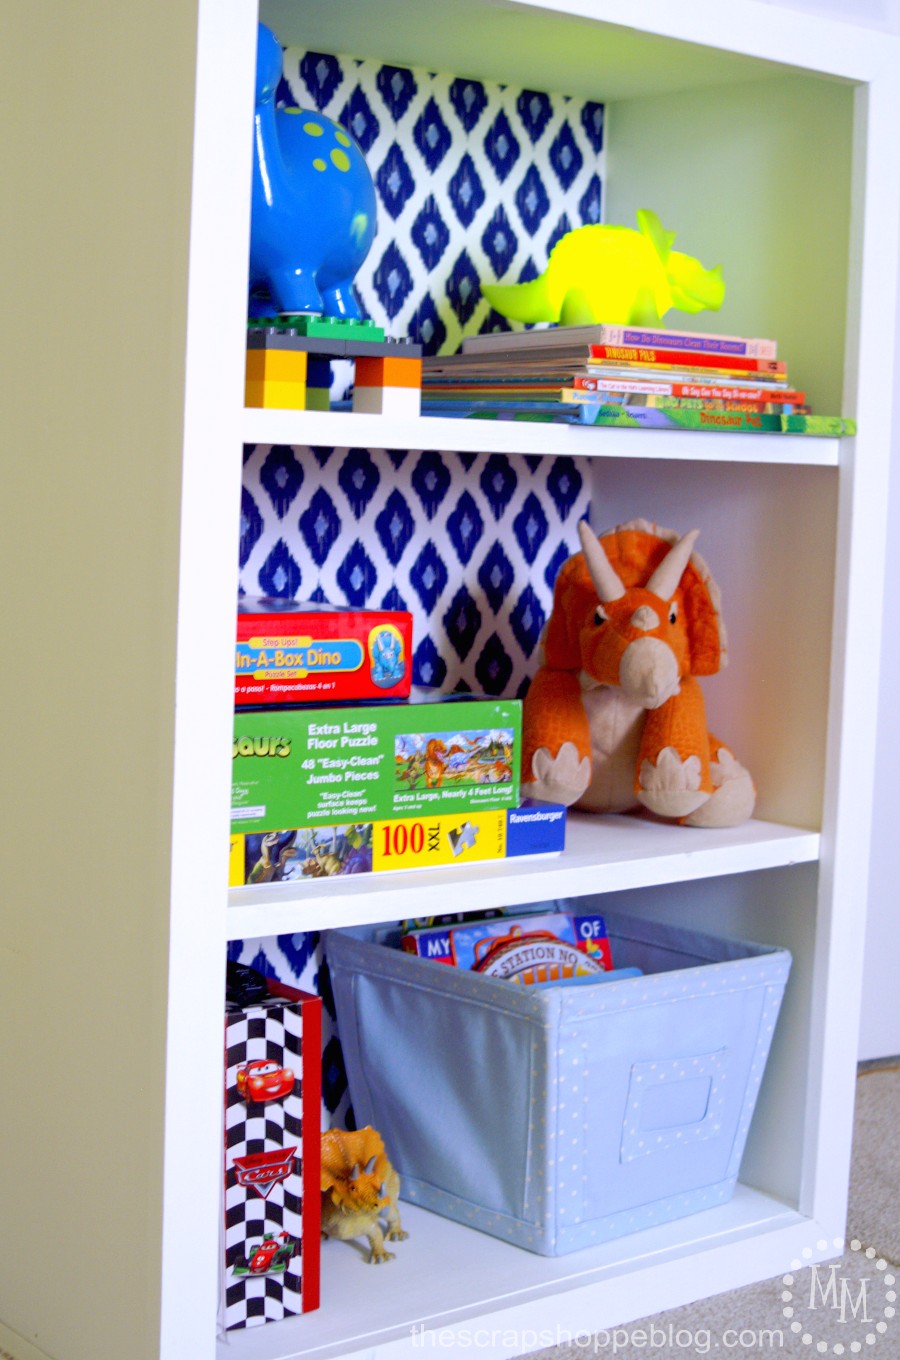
(339, 429)
(277, 909)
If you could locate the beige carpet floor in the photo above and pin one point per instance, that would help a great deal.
(853, 1299)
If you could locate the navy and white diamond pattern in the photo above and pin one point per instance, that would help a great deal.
(475, 181)
(470, 544)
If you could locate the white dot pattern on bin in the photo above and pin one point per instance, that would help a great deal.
(561, 1170)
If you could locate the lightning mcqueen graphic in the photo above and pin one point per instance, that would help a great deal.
(260, 1081)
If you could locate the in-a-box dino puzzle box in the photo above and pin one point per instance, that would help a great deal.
(328, 766)
(311, 653)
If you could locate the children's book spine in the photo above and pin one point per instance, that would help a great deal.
(585, 386)
(704, 342)
(629, 400)
(470, 406)
(831, 426)
(649, 355)
(649, 417)
(466, 391)
(556, 415)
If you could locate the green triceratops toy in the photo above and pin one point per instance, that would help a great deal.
(613, 275)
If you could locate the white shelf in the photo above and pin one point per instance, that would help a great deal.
(603, 854)
(446, 1275)
(339, 429)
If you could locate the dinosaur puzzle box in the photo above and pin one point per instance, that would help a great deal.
(290, 653)
(432, 841)
(312, 767)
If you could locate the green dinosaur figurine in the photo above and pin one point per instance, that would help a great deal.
(613, 275)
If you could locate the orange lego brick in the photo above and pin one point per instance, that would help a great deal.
(388, 371)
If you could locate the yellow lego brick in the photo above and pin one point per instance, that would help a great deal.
(281, 396)
(278, 365)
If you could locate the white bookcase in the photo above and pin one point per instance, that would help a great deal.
(754, 131)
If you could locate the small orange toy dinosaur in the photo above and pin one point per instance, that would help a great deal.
(359, 1186)
(615, 717)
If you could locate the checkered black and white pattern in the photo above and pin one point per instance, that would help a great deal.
(273, 1032)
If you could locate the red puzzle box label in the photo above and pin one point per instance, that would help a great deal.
(290, 653)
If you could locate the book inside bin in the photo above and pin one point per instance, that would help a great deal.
(560, 1117)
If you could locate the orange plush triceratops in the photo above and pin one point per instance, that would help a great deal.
(615, 717)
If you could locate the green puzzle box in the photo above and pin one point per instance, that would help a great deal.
(300, 767)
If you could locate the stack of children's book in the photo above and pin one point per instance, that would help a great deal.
(625, 376)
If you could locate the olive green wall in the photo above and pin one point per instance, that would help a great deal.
(96, 173)
(733, 173)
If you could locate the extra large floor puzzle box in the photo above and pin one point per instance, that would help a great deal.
(560, 1117)
(333, 766)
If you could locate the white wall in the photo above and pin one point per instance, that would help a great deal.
(880, 1026)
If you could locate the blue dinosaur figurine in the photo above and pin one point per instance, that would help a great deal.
(313, 206)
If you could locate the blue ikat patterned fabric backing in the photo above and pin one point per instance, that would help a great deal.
(474, 181)
(469, 543)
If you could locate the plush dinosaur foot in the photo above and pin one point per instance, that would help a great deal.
(734, 797)
(562, 778)
(671, 787)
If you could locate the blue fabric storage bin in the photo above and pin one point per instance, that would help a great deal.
(560, 1117)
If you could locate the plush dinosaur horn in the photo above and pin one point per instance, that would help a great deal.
(606, 582)
(664, 581)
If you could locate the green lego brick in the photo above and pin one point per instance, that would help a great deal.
(330, 327)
